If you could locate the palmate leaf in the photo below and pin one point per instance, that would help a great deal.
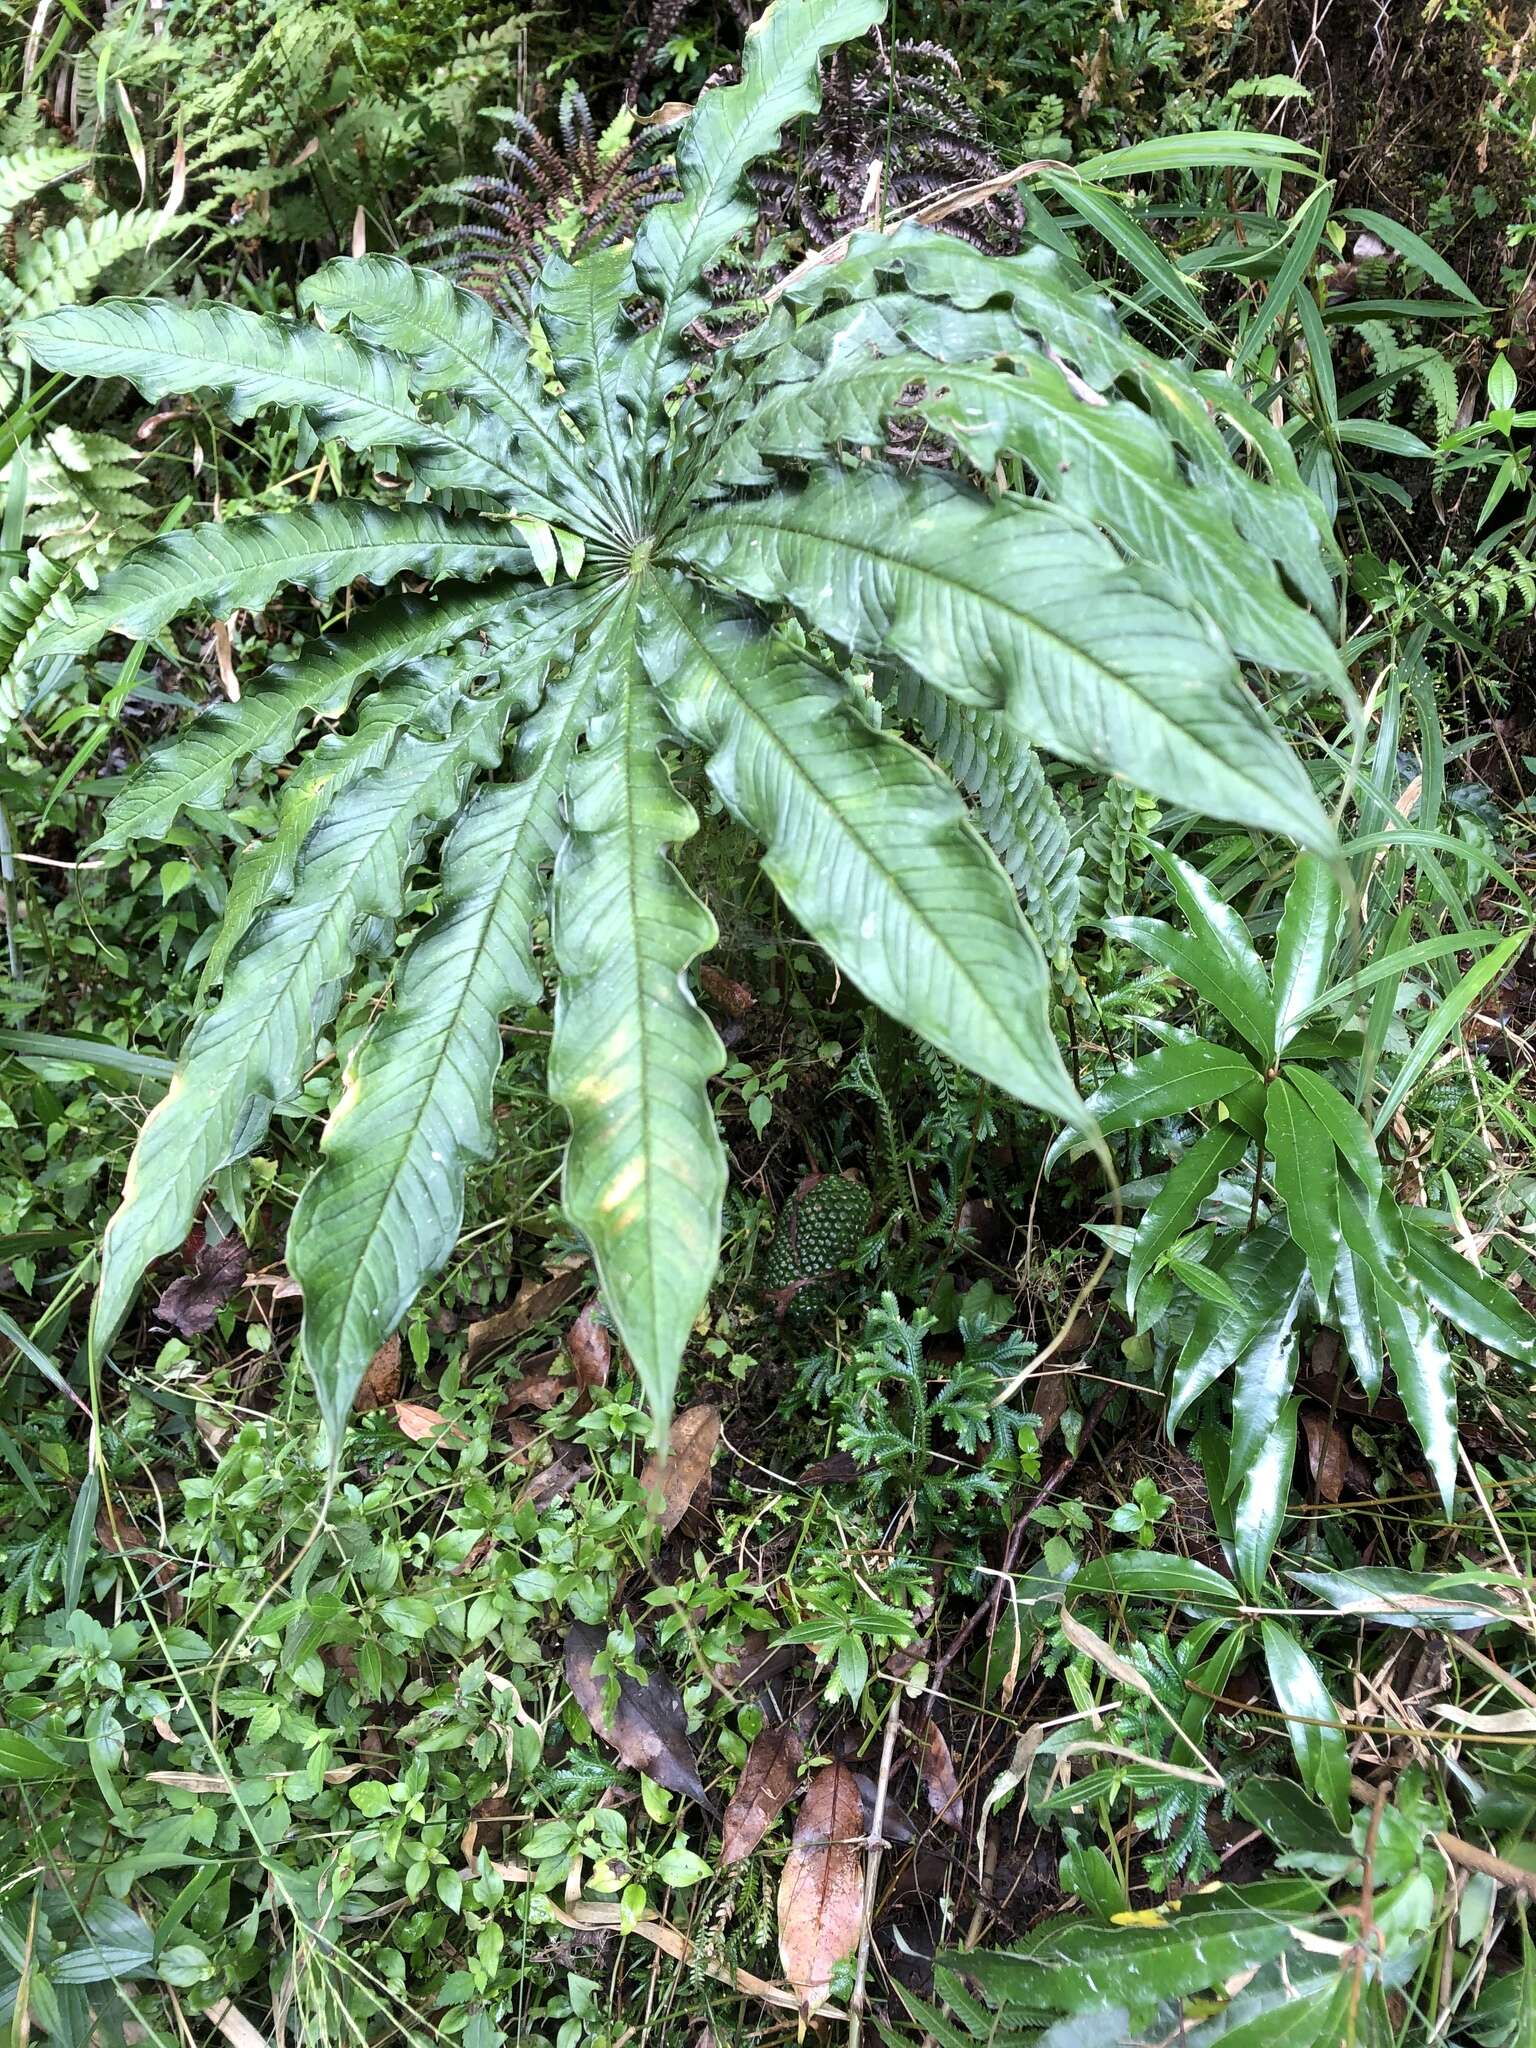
(1017, 606)
(632, 1052)
(383, 1211)
(248, 1053)
(863, 841)
(241, 565)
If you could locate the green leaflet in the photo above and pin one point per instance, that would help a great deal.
(580, 308)
(1187, 1073)
(632, 1052)
(25, 173)
(1422, 1368)
(1262, 1377)
(238, 566)
(867, 845)
(382, 1211)
(341, 388)
(1177, 1202)
(1307, 1177)
(248, 1053)
(195, 769)
(1110, 462)
(1479, 1307)
(457, 344)
(1262, 1488)
(24, 602)
(1265, 1273)
(1232, 971)
(1019, 607)
(1070, 1967)
(1304, 944)
(1016, 809)
(730, 129)
(1318, 1738)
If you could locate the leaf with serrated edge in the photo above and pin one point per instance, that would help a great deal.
(249, 1052)
(382, 1211)
(1017, 606)
(239, 565)
(866, 844)
(632, 1052)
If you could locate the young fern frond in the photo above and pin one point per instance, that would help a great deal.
(1103, 621)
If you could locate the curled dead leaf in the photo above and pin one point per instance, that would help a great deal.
(762, 1792)
(1327, 1453)
(937, 1768)
(381, 1382)
(215, 1275)
(677, 1477)
(536, 1299)
(821, 1894)
(648, 1728)
(590, 1349)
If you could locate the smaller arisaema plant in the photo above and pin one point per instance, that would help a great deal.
(613, 550)
(1321, 1235)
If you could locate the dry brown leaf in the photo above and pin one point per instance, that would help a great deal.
(216, 1274)
(734, 997)
(821, 1894)
(762, 1792)
(224, 656)
(757, 1663)
(937, 1768)
(422, 1424)
(1327, 1454)
(678, 1476)
(537, 1386)
(381, 1382)
(590, 1349)
(648, 1729)
(536, 1299)
(553, 1481)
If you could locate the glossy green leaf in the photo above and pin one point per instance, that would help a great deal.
(249, 1052)
(1306, 1177)
(1229, 960)
(1422, 1369)
(866, 844)
(1177, 1202)
(1312, 1721)
(1263, 1375)
(382, 1212)
(1157, 1575)
(632, 1052)
(1399, 1599)
(1304, 944)
(1477, 1306)
(1185, 1074)
(1265, 1273)
(241, 564)
(1013, 605)
(1073, 1967)
(1343, 1123)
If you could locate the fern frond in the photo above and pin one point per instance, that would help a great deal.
(65, 261)
(29, 172)
(1016, 808)
(23, 602)
(195, 769)
(383, 1211)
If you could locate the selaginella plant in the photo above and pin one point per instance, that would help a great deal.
(664, 548)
